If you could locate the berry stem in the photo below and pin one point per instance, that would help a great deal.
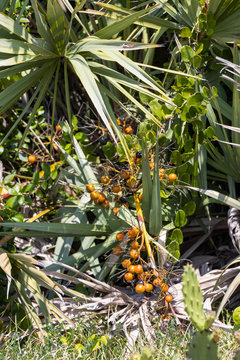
(144, 231)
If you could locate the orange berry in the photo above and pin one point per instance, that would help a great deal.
(148, 287)
(140, 197)
(132, 268)
(140, 288)
(168, 298)
(132, 233)
(139, 269)
(172, 177)
(119, 122)
(125, 174)
(58, 128)
(128, 130)
(32, 159)
(134, 245)
(134, 254)
(105, 204)
(151, 165)
(131, 182)
(90, 187)
(118, 251)
(116, 210)
(101, 197)
(129, 276)
(120, 236)
(137, 160)
(116, 189)
(141, 276)
(157, 282)
(105, 180)
(126, 263)
(164, 287)
(96, 202)
(94, 195)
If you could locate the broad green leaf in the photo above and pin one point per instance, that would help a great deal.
(11, 46)
(189, 208)
(56, 20)
(15, 60)
(187, 53)
(14, 28)
(180, 218)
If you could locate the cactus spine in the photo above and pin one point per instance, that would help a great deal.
(203, 346)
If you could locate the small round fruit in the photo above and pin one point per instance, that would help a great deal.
(128, 130)
(131, 268)
(151, 165)
(157, 282)
(123, 199)
(126, 263)
(94, 195)
(32, 159)
(168, 298)
(96, 202)
(139, 155)
(90, 188)
(132, 233)
(141, 276)
(129, 276)
(105, 180)
(172, 177)
(139, 269)
(140, 197)
(119, 122)
(134, 244)
(125, 174)
(118, 251)
(116, 189)
(58, 128)
(120, 236)
(116, 210)
(105, 204)
(103, 141)
(101, 197)
(134, 254)
(137, 161)
(164, 287)
(148, 287)
(140, 288)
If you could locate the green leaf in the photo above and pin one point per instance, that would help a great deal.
(187, 53)
(180, 218)
(186, 32)
(177, 236)
(14, 28)
(189, 208)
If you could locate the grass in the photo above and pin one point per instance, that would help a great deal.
(91, 339)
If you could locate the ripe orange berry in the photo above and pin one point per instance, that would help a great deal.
(116, 189)
(164, 287)
(101, 197)
(168, 298)
(105, 180)
(129, 276)
(58, 128)
(140, 197)
(126, 263)
(132, 233)
(105, 204)
(120, 236)
(90, 187)
(134, 245)
(128, 130)
(134, 254)
(94, 195)
(119, 122)
(148, 287)
(125, 174)
(118, 251)
(137, 160)
(172, 177)
(140, 288)
(116, 210)
(151, 165)
(131, 268)
(157, 282)
(96, 202)
(138, 269)
(32, 159)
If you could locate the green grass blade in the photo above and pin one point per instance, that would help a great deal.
(155, 220)
(64, 229)
(146, 183)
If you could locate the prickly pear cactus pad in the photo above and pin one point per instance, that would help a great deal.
(203, 347)
(193, 298)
